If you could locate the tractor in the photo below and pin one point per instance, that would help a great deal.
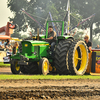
(34, 56)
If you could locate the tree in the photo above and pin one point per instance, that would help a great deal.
(87, 8)
(24, 36)
(83, 8)
(80, 9)
(34, 7)
(39, 8)
(95, 42)
(79, 35)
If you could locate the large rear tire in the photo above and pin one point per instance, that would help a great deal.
(78, 58)
(24, 69)
(61, 57)
(32, 68)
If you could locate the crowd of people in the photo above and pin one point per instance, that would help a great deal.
(6, 45)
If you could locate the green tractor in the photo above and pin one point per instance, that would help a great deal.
(34, 56)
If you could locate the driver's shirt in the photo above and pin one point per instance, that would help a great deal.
(52, 34)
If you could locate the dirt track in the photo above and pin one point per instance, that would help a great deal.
(5, 70)
(49, 89)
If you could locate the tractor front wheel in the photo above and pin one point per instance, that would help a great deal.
(15, 68)
(44, 66)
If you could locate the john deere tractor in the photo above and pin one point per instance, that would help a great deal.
(34, 56)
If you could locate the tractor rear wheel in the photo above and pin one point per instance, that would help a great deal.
(43, 66)
(24, 69)
(78, 58)
(15, 68)
(61, 57)
(32, 68)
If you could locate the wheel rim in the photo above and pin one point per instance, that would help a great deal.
(45, 66)
(83, 58)
(17, 66)
(76, 58)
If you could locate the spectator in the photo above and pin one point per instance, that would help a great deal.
(88, 43)
(2, 44)
(97, 47)
(15, 47)
(8, 46)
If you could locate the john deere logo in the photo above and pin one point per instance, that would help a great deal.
(26, 45)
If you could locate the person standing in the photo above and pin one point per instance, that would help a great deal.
(88, 43)
(8, 46)
(15, 48)
(97, 47)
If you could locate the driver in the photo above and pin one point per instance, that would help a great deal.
(52, 37)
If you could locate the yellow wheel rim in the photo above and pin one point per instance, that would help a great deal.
(83, 58)
(17, 66)
(75, 58)
(45, 66)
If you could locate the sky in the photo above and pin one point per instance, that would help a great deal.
(4, 13)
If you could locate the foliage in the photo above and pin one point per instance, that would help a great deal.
(79, 35)
(87, 8)
(40, 9)
(95, 42)
(37, 8)
(24, 36)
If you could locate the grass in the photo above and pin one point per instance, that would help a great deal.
(3, 77)
(4, 65)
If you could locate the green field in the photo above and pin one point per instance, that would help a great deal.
(47, 77)
(4, 65)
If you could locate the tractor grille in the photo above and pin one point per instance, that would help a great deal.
(27, 48)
